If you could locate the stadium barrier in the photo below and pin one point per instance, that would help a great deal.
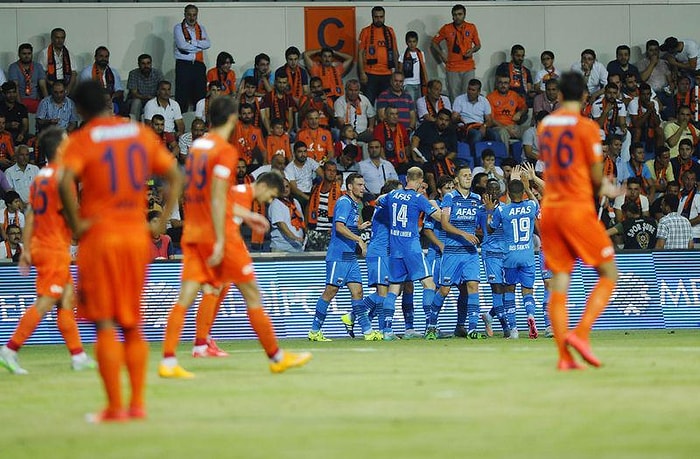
(656, 290)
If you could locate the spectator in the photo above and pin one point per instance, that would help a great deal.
(262, 76)
(430, 132)
(684, 97)
(107, 76)
(593, 71)
(197, 130)
(509, 111)
(297, 76)
(56, 60)
(681, 129)
(613, 159)
(689, 202)
(249, 138)
(347, 143)
(16, 115)
(489, 167)
(7, 150)
(630, 88)
(191, 40)
(548, 73)
(645, 118)
(684, 161)
(319, 212)
(682, 56)
(318, 140)
(356, 110)
(673, 188)
(611, 115)
(377, 56)
(636, 167)
(530, 146)
(633, 195)
(661, 171)
(30, 76)
(201, 110)
(412, 66)
(520, 76)
(301, 173)
(318, 100)
(248, 96)
(163, 105)
(142, 85)
(638, 232)
(428, 106)
(396, 97)
(654, 71)
(168, 138)
(12, 248)
(548, 101)
(277, 143)
(161, 244)
(462, 40)
(621, 65)
(279, 104)
(288, 226)
(472, 113)
(277, 163)
(12, 214)
(376, 170)
(347, 163)
(674, 231)
(57, 110)
(327, 70)
(394, 139)
(224, 74)
(440, 165)
(21, 175)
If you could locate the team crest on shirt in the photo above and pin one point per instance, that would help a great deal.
(511, 102)
(323, 137)
(254, 137)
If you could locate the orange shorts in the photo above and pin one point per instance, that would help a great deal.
(111, 274)
(194, 264)
(237, 266)
(52, 271)
(570, 234)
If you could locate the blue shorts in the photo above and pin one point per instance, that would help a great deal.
(493, 266)
(546, 274)
(377, 271)
(410, 268)
(340, 273)
(523, 275)
(434, 259)
(457, 268)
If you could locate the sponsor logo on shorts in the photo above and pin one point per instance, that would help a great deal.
(57, 289)
(608, 251)
(247, 269)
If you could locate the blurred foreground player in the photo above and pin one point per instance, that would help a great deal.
(46, 242)
(113, 159)
(571, 149)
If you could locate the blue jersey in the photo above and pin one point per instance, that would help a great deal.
(341, 248)
(436, 227)
(463, 212)
(379, 244)
(493, 242)
(405, 207)
(518, 222)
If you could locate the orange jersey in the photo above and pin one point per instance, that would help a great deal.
(569, 145)
(228, 81)
(113, 158)
(243, 196)
(210, 156)
(248, 138)
(50, 231)
(504, 106)
(7, 151)
(376, 43)
(331, 78)
(278, 145)
(319, 143)
(459, 40)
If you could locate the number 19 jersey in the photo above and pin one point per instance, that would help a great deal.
(405, 207)
(518, 222)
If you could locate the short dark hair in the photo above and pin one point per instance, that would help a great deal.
(249, 81)
(157, 117)
(687, 142)
(90, 98)
(261, 57)
(8, 86)
(222, 57)
(391, 185)
(634, 181)
(49, 140)
(11, 196)
(515, 48)
(488, 153)
(444, 180)
(572, 86)
(516, 187)
(651, 43)
(272, 179)
(292, 50)
(378, 9)
(671, 201)
(631, 208)
(588, 51)
(459, 7)
(144, 56)
(411, 34)
(25, 46)
(55, 30)
(163, 83)
(636, 145)
(220, 109)
(474, 82)
(153, 214)
(547, 53)
(351, 178)
(478, 177)
(622, 48)
(643, 86)
(299, 144)
(100, 48)
(444, 111)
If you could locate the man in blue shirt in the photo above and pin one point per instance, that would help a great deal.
(342, 267)
(406, 259)
(460, 259)
(518, 222)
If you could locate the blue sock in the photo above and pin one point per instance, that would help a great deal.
(407, 309)
(320, 316)
(435, 308)
(360, 312)
(529, 303)
(499, 311)
(545, 309)
(428, 296)
(389, 309)
(509, 304)
(368, 305)
(473, 310)
(492, 311)
(461, 309)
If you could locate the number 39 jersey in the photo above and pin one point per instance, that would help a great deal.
(463, 215)
(569, 144)
(405, 207)
(518, 222)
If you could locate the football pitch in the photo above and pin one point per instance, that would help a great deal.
(440, 399)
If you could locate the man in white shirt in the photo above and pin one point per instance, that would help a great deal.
(162, 104)
(356, 110)
(594, 72)
(682, 55)
(197, 130)
(301, 173)
(375, 170)
(472, 112)
(21, 174)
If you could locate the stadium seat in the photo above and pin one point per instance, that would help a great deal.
(516, 149)
(464, 155)
(499, 148)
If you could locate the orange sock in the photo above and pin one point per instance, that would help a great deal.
(176, 321)
(26, 326)
(263, 328)
(206, 313)
(559, 316)
(110, 357)
(596, 304)
(136, 353)
(69, 330)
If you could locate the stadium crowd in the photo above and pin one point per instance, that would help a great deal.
(317, 126)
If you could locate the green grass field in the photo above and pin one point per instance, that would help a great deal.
(447, 398)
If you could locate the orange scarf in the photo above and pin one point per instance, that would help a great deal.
(315, 200)
(294, 213)
(408, 64)
(609, 168)
(433, 111)
(27, 72)
(296, 89)
(610, 122)
(394, 146)
(518, 78)
(332, 80)
(51, 64)
(98, 74)
(256, 237)
(198, 34)
(7, 219)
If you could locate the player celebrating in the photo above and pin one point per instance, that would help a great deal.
(46, 242)
(572, 152)
(460, 260)
(406, 259)
(113, 158)
(342, 267)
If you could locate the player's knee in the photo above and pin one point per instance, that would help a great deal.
(609, 271)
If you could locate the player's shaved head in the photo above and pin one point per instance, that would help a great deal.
(516, 187)
(572, 86)
(49, 140)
